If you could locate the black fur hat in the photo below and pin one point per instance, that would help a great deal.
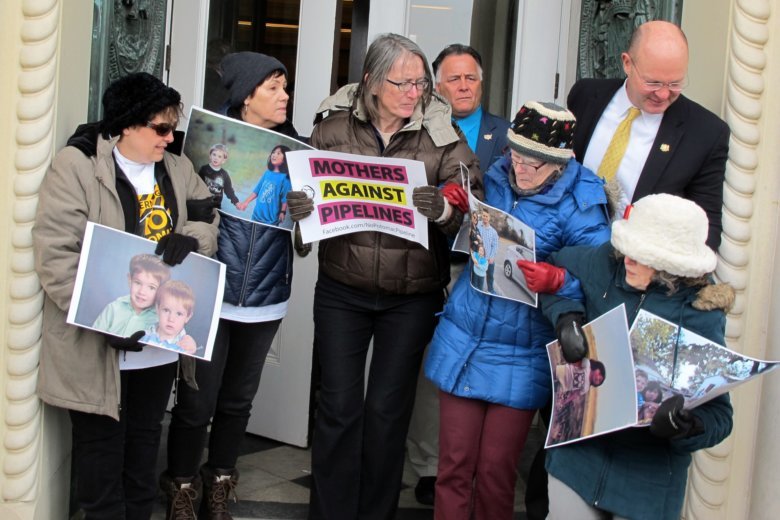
(134, 100)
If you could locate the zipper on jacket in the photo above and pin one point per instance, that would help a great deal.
(249, 254)
(638, 306)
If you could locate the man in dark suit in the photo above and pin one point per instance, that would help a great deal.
(676, 146)
(458, 72)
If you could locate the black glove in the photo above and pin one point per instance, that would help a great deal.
(429, 201)
(175, 247)
(672, 422)
(202, 210)
(573, 342)
(128, 344)
(299, 206)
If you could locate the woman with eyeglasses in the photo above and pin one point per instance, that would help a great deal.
(258, 283)
(488, 355)
(116, 173)
(374, 286)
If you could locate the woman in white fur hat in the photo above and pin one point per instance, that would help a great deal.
(658, 261)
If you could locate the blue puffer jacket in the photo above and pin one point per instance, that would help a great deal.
(258, 259)
(494, 349)
(258, 262)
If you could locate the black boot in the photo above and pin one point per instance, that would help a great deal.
(182, 495)
(218, 486)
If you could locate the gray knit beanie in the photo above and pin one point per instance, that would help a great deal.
(243, 71)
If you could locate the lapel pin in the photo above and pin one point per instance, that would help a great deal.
(664, 147)
(487, 137)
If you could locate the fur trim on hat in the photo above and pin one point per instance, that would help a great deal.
(667, 233)
(719, 296)
(134, 100)
(242, 72)
(544, 131)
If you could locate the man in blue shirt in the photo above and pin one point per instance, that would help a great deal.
(458, 76)
(490, 242)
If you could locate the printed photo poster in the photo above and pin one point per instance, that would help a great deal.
(359, 193)
(592, 396)
(244, 166)
(495, 241)
(123, 287)
(673, 360)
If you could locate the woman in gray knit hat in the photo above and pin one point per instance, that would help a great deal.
(257, 290)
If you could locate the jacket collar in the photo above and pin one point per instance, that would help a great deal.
(436, 119)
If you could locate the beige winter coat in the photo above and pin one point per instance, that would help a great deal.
(78, 371)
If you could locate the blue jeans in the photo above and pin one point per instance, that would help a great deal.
(227, 385)
(359, 435)
(491, 268)
(115, 461)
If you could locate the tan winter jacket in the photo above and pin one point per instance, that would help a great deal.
(377, 262)
(78, 371)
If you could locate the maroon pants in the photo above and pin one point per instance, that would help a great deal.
(479, 448)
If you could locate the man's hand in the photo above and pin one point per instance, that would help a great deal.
(175, 247)
(429, 202)
(542, 277)
(573, 342)
(128, 344)
(299, 206)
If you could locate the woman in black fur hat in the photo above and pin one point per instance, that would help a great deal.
(116, 173)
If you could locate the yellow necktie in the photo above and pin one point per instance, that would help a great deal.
(617, 146)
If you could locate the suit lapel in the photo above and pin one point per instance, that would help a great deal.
(599, 99)
(669, 134)
(485, 147)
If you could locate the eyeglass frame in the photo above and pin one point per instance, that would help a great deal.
(162, 129)
(406, 86)
(515, 164)
(654, 86)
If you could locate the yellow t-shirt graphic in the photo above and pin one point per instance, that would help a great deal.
(155, 219)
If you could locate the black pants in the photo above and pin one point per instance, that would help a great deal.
(227, 385)
(115, 461)
(537, 502)
(358, 444)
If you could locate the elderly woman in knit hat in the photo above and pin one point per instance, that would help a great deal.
(657, 261)
(116, 173)
(488, 355)
(257, 290)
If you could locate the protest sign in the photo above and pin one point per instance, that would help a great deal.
(244, 166)
(358, 193)
(122, 287)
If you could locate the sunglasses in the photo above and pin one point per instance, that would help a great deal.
(162, 129)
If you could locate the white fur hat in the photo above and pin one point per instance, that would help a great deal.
(667, 233)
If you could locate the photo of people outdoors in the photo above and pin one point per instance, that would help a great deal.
(124, 288)
(496, 241)
(671, 361)
(589, 395)
(244, 166)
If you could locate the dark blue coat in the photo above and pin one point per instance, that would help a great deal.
(492, 348)
(632, 473)
(491, 140)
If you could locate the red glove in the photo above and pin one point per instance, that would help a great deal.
(542, 277)
(456, 196)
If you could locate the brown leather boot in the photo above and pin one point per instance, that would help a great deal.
(218, 486)
(182, 495)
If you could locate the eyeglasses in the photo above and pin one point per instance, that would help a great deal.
(162, 129)
(520, 164)
(406, 86)
(654, 86)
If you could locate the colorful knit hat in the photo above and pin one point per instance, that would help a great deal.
(544, 131)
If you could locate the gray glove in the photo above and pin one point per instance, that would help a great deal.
(299, 206)
(429, 201)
